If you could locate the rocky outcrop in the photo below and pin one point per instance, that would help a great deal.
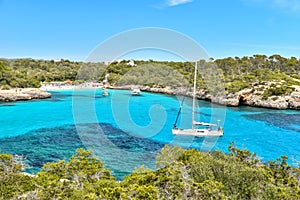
(271, 102)
(21, 94)
(249, 96)
(294, 100)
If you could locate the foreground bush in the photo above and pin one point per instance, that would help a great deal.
(180, 174)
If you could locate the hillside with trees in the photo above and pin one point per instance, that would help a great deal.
(180, 174)
(255, 80)
(238, 72)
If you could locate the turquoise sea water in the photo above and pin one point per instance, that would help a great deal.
(126, 132)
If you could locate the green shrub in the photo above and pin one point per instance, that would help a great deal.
(279, 90)
(236, 86)
(5, 87)
(180, 174)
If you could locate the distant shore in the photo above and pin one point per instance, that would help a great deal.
(247, 97)
(23, 94)
(53, 87)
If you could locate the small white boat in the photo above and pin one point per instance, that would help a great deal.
(105, 93)
(198, 129)
(135, 91)
(105, 81)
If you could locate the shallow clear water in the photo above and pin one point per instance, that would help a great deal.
(126, 132)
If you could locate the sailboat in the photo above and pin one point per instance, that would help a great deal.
(198, 129)
(105, 92)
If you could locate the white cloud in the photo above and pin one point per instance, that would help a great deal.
(177, 2)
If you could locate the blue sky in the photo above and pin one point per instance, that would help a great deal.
(70, 29)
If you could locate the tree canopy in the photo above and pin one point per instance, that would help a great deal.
(235, 73)
(180, 174)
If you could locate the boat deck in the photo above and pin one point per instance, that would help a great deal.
(198, 132)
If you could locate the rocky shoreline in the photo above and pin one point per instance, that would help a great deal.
(22, 94)
(249, 97)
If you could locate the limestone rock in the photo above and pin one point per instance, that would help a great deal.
(294, 100)
(248, 96)
(23, 94)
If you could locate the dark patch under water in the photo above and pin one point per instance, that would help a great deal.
(6, 104)
(52, 144)
(286, 121)
(58, 96)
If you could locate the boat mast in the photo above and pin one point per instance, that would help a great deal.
(194, 96)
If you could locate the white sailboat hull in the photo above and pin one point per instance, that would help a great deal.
(208, 131)
(198, 132)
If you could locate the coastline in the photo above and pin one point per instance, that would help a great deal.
(246, 97)
(23, 94)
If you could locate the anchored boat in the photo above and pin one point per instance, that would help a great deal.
(198, 129)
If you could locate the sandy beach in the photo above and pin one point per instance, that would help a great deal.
(53, 87)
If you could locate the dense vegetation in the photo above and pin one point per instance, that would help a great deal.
(30, 73)
(236, 73)
(180, 174)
